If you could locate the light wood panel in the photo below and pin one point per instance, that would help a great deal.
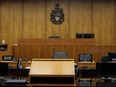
(0, 21)
(34, 19)
(44, 48)
(53, 29)
(106, 49)
(94, 50)
(80, 17)
(115, 21)
(11, 20)
(31, 19)
(103, 21)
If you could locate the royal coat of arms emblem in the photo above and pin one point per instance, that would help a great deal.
(57, 15)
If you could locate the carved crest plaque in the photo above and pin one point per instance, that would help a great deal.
(57, 15)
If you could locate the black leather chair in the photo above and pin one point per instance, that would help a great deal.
(105, 59)
(54, 37)
(60, 55)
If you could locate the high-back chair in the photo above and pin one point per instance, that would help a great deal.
(60, 55)
(54, 37)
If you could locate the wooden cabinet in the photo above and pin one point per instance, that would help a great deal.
(7, 52)
(86, 69)
(86, 74)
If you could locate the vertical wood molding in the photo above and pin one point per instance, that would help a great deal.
(0, 21)
(103, 21)
(11, 20)
(114, 22)
(80, 17)
(34, 19)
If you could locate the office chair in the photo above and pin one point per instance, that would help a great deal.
(54, 37)
(104, 59)
(60, 55)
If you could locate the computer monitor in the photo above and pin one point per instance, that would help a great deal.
(4, 71)
(112, 56)
(106, 69)
(3, 47)
(85, 57)
(88, 35)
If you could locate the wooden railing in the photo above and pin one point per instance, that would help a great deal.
(44, 48)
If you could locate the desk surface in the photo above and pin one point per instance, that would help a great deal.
(52, 68)
(87, 64)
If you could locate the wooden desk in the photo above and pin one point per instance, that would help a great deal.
(86, 70)
(52, 73)
(14, 71)
(13, 64)
(87, 64)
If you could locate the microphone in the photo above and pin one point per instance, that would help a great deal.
(19, 63)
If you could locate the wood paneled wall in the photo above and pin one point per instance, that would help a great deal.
(31, 19)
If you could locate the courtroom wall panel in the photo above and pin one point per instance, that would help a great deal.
(80, 17)
(94, 50)
(31, 19)
(11, 20)
(57, 29)
(115, 21)
(103, 21)
(106, 49)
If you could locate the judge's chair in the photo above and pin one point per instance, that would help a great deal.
(60, 55)
(54, 37)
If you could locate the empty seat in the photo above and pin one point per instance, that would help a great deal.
(60, 54)
(54, 37)
(104, 59)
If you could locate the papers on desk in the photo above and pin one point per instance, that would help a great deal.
(27, 67)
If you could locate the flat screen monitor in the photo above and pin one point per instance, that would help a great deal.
(106, 69)
(88, 35)
(4, 71)
(3, 47)
(85, 57)
(79, 35)
(112, 56)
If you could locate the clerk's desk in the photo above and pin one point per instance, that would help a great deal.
(91, 65)
(86, 70)
(52, 72)
(14, 71)
(13, 64)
